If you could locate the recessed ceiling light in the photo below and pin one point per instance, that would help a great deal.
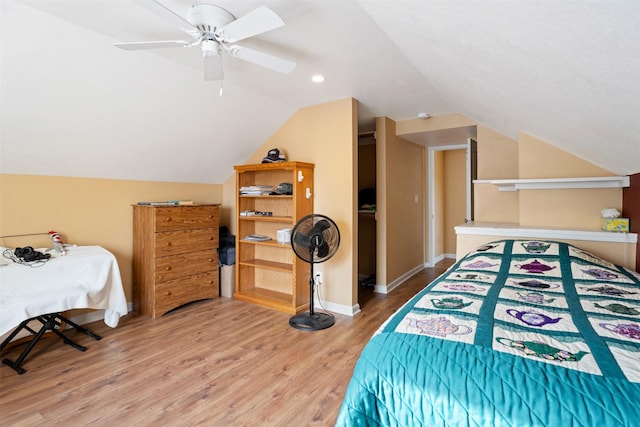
(318, 78)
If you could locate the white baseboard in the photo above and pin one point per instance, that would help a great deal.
(385, 289)
(337, 308)
(438, 259)
(381, 289)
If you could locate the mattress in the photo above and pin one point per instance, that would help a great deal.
(516, 333)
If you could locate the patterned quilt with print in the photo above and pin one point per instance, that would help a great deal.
(518, 333)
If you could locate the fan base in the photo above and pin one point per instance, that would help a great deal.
(208, 18)
(312, 322)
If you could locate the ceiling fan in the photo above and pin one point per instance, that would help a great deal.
(214, 30)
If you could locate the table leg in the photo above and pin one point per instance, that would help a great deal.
(50, 322)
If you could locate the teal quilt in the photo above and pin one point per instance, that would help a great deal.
(516, 333)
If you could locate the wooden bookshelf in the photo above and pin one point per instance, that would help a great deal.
(268, 273)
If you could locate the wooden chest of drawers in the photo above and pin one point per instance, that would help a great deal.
(175, 257)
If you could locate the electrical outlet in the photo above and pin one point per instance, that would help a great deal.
(319, 278)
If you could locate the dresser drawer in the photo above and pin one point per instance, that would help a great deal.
(176, 266)
(175, 293)
(186, 217)
(182, 241)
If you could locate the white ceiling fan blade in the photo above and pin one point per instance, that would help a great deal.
(256, 22)
(162, 11)
(213, 67)
(264, 59)
(152, 45)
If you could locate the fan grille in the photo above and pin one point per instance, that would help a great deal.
(315, 238)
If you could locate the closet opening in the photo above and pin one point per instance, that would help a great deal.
(367, 216)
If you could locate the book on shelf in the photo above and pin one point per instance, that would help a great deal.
(257, 238)
(156, 203)
(256, 213)
(256, 190)
(168, 203)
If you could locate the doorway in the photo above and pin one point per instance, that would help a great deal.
(367, 216)
(450, 173)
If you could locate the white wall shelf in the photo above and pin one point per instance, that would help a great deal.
(556, 183)
(509, 230)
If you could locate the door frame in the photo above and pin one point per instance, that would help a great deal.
(431, 261)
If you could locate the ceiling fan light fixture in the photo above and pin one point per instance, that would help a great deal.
(210, 48)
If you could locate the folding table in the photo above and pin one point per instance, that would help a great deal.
(86, 277)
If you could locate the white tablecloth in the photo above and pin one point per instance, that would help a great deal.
(86, 277)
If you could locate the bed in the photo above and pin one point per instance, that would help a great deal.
(516, 333)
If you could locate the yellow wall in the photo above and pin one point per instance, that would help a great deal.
(578, 209)
(502, 158)
(445, 121)
(573, 208)
(449, 176)
(439, 201)
(401, 178)
(450, 199)
(497, 159)
(382, 133)
(455, 203)
(85, 211)
(325, 135)
(538, 159)
(405, 206)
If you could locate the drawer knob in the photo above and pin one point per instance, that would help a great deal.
(168, 243)
(210, 216)
(211, 282)
(210, 259)
(210, 238)
(167, 293)
(167, 268)
(168, 219)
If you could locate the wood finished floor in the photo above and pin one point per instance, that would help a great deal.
(212, 363)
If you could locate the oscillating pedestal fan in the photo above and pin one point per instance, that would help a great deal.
(314, 239)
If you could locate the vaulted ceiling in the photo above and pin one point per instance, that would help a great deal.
(72, 104)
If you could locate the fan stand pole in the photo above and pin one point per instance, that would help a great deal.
(312, 282)
(311, 321)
